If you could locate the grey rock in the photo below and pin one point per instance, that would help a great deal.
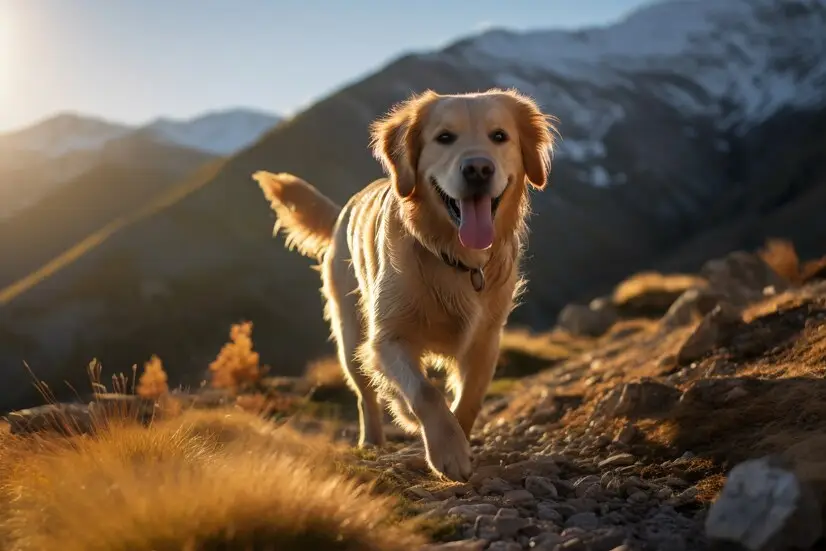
(764, 503)
(494, 486)
(592, 320)
(585, 521)
(518, 497)
(66, 419)
(547, 511)
(716, 328)
(505, 546)
(541, 486)
(618, 460)
(472, 511)
(690, 306)
(740, 277)
(508, 525)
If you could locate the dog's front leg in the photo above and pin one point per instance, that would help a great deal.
(474, 372)
(447, 448)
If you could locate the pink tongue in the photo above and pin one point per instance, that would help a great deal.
(476, 228)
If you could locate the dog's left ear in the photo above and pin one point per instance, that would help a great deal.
(396, 141)
(536, 138)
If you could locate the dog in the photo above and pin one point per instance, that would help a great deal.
(425, 263)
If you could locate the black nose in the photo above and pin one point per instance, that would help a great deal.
(477, 170)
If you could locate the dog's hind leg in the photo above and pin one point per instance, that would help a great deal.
(348, 332)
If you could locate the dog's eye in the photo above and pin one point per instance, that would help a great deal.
(499, 136)
(446, 138)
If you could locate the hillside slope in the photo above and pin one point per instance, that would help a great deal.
(663, 142)
(122, 177)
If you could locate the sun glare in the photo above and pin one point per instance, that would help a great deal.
(5, 57)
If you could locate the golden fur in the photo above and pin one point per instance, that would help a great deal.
(392, 300)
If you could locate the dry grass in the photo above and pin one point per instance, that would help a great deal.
(325, 372)
(650, 283)
(206, 480)
(237, 365)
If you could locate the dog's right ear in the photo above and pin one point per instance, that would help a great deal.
(396, 141)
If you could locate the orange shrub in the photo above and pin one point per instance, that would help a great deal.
(153, 381)
(237, 364)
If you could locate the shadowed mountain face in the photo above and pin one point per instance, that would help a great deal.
(672, 152)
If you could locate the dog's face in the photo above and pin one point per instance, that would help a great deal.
(465, 151)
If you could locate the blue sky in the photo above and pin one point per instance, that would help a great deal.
(133, 60)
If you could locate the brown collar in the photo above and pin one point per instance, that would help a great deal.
(477, 275)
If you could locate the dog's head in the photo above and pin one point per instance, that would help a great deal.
(466, 155)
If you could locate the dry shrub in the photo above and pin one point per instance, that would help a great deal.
(153, 381)
(325, 372)
(782, 257)
(650, 283)
(208, 480)
(237, 365)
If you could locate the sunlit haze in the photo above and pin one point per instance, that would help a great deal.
(131, 61)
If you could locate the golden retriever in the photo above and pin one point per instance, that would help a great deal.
(425, 264)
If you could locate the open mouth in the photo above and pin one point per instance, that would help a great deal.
(452, 205)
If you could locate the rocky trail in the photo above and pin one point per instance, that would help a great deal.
(681, 413)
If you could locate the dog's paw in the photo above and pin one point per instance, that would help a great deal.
(448, 451)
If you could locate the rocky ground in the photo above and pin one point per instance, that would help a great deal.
(678, 414)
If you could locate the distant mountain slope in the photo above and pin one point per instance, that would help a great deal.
(121, 177)
(697, 129)
(36, 160)
(220, 133)
(64, 133)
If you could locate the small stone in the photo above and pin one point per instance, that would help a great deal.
(517, 497)
(573, 544)
(627, 434)
(418, 492)
(585, 521)
(504, 546)
(507, 525)
(470, 512)
(494, 486)
(735, 394)
(485, 528)
(637, 497)
(618, 460)
(546, 541)
(664, 493)
(465, 545)
(686, 496)
(545, 511)
(541, 487)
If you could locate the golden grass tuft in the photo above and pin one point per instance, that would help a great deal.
(153, 381)
(237, 364)
(325, 372)
(645, 283)
(205, 480)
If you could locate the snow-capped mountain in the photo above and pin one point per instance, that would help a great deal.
(689, 129)
(216, 133)
(220, 133)
(733, 62)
